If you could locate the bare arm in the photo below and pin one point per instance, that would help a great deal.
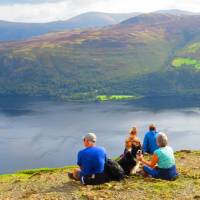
(151, 163)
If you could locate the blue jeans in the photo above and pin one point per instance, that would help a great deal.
(151, 171)
(166, 174)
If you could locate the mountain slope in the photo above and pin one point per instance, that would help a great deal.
(19, 31)
(98, 19)
(137, 57)
(176, 12)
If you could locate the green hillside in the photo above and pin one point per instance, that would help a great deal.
(153, 54)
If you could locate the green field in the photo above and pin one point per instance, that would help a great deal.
(115, 97)
(180, 62)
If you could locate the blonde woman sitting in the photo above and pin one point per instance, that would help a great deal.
(132, 145)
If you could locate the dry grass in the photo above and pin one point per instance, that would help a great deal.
(54, 184)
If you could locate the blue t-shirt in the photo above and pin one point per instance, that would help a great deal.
(149, 143)
(91, 160)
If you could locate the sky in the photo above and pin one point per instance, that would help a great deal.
(53, 10)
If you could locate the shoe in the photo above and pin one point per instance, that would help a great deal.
(70, 175)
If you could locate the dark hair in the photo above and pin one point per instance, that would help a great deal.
(152, 127)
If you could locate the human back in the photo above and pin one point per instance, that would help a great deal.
(165, 157)
(163, 164)
(149, 142)
(92, 160)
(132, 140)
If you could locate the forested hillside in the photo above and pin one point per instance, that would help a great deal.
(150, 54)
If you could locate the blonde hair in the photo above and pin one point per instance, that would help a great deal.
(133, 130)
(162, 140)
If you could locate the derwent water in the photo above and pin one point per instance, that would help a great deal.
(38, 133)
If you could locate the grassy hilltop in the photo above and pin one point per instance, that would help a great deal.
(54, 184)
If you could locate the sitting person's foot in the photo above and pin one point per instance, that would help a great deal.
(71, 176)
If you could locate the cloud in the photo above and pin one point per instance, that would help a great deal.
(52, 10)
(190, 5)
(44, 12)
(11, 2)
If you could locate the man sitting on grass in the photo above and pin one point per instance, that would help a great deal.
(91, 161)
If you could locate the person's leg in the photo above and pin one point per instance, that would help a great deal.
(151, 171)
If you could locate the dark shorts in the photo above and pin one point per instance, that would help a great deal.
(93, 179)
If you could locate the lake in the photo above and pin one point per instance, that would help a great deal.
(36, 133)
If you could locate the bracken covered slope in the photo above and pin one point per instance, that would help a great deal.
(152, 54)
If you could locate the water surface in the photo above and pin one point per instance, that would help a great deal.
(38, 133)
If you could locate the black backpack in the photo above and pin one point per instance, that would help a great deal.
(113, 170)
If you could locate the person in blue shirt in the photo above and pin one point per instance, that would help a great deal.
(163, 163)
(91, 161)
(149, 142)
